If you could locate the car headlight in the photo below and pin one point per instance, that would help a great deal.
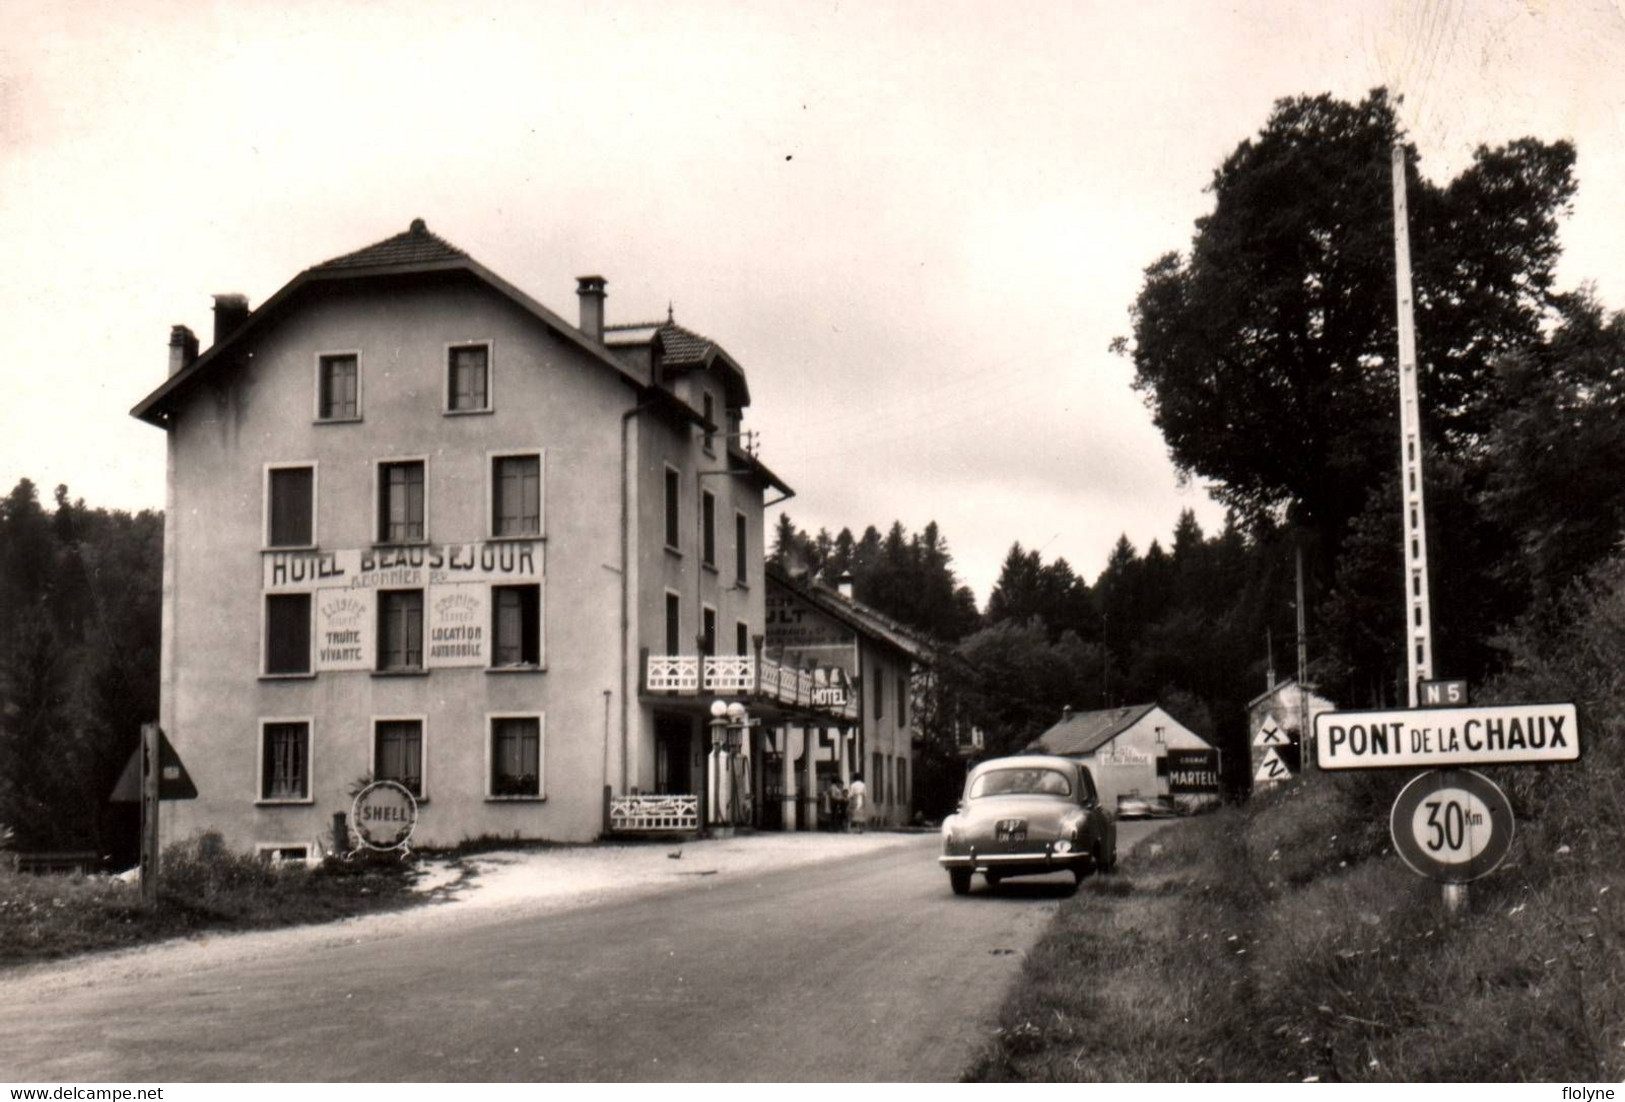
(1063, 846)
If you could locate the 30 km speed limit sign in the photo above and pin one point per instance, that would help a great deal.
(1452, 825)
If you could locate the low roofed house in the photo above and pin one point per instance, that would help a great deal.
(1128, 750)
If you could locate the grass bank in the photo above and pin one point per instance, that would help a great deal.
(203, 887)
(1284, 942)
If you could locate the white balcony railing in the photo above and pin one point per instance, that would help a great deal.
(746, 675)
(730, 674)
(668, 673)
(634, 814)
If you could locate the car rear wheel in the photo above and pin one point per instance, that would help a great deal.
(959, 880)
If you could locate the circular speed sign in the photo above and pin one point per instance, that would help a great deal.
(1452, 825)
(384, 815)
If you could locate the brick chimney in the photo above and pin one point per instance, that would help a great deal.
(591, 291)
(1066, 714)
(230, 311)
(182, 348)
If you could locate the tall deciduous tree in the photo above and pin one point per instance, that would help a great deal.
(1267, 353)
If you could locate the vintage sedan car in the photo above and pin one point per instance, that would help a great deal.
(1146, 807)
(1027, 815)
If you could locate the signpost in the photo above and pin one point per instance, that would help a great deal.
(1450, 825)
(154, 773)
(1453, 826)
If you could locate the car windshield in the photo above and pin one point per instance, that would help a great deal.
(1021, 782)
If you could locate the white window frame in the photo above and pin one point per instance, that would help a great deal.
(541, 755)
(316, 405)
(269, 851)
(423, 666)
(667, 527)
(423, 747)
(265, 636)
(708, 410)
(491, 457)
(263, 800)
(742, 549)
(315, 498)
(378, 466)
(490, 347)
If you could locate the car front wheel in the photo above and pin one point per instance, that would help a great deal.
(1105, 862)
(959, 880)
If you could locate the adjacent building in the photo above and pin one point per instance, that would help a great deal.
(1139, 750)
(419, 526)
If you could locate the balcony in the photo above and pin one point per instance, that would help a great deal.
(741, 675)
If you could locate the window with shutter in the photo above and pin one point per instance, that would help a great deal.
(401, 503)
(468, 388)
(398, 753)
(292, 492)
(517, 495)
(338, 388)
(516, 756)
(516, 625)
(287, 633)
(400, 629)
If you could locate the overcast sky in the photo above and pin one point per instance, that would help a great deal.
(916, 225)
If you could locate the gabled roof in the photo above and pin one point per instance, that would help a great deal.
(681, 349)
(1281, 687)
(1086, 732)
(416, 252)
(416, 246)
(858, 616)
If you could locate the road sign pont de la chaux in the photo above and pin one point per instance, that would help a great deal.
(1430, 738)
(1452, 825)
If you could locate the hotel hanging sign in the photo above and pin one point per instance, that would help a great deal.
(403, 567)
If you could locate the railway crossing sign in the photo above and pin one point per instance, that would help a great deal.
(1270, 735)
(1452, 825)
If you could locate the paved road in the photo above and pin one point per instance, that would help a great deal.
(867, 969)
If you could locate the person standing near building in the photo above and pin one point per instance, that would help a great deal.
(857, 802)
(837, 805)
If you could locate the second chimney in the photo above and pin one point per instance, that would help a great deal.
(230, 311)
(591, 291)
(182, 348)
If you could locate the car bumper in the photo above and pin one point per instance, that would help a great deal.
(1037, 861)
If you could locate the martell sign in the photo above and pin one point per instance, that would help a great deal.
(1429, 738)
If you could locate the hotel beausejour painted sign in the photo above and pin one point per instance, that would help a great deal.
(403, 567)
(1429, 738)
(456, 581)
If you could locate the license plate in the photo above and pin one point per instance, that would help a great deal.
(1011, 830)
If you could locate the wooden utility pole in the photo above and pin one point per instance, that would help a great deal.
(151, 774)
(1418, 617)
(1304, 752)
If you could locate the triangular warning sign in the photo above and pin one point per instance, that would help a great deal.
(1271, 735)
(173, 784)
(1272, 768)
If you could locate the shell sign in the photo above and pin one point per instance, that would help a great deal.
(384, 815)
